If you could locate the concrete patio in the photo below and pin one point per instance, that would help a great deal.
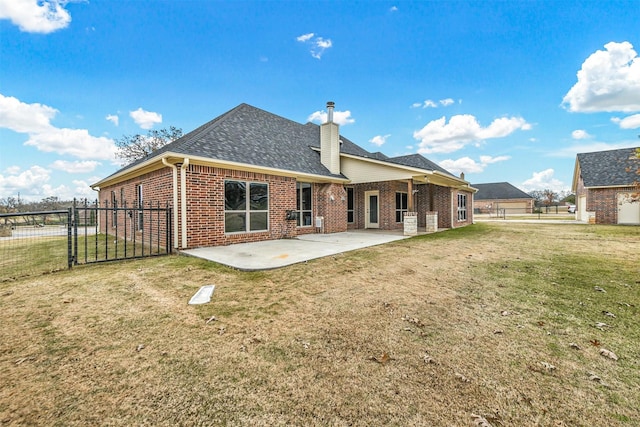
(279, 253)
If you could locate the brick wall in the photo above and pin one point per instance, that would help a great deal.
(332, 205)
(429, 197)
(156, 192)
(434, 198)
(205, 201)
(604, 202)
(387, 202)
(205, 204)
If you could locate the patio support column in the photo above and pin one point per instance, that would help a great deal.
(410, 196)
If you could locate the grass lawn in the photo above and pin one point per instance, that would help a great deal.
(502, 322)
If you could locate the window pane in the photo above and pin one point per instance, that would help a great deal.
(259, 197)
(404, 201)
(258, 221)
(306, 197)
(234, 222)
(350, 199)
(234, 196)
(398, 216)
(349, 216)
(373, 209)
(306, 218)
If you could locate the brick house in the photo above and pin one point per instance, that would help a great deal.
(606, 187)
(494, 197)
(250, 175)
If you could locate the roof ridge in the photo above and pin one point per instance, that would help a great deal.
(608, 151)
(211, 124)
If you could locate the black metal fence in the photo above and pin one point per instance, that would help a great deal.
(42, 242)
(538, 212)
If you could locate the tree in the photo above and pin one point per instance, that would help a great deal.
(549, 197)
(136, 147)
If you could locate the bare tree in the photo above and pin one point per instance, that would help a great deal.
(136, 147)
(549, 196)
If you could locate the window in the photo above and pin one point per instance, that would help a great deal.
(303, 204)
(246, 206)
(462, 207)
(350, 204)
(140, 217)
(114, 205)
(401, 206)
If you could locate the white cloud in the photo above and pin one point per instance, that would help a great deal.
(305, 37)
(75, 167)
(393, 9)
(34, 16)
(609, 80)
(33, 184)
(429, 103)
(23, 182)
(379, 140)
(438, 136)
(113, 118)
(629, 122)
(468, 165)
(580, 134)
(543, 180)
(145, 119)
(35, 120)
(74, 142)
(25, 118)
(317, 45)
(340, 117)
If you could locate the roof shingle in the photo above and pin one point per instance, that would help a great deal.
(252, 136)
(609, 168)
(499, 191)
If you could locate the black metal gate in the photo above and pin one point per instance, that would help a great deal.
(110, 233)
(42, 242)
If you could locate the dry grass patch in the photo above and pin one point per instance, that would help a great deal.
(496, 320)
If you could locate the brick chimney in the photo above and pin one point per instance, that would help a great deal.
(330, 142)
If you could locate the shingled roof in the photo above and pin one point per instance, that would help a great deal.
(418, 161)
(499, 191)
(609, 168)
(252, 136)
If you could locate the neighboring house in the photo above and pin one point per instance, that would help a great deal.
(249, 175)
(501, 197)
(606, 188)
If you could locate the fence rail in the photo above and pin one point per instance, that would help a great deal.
(42, 242)
(537, 213)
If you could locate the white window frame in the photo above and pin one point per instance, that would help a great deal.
(300, 212)
(462, 207)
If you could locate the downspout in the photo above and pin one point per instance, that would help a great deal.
(183, 211)
(175, 200)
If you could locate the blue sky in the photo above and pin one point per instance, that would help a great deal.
(502, 91)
